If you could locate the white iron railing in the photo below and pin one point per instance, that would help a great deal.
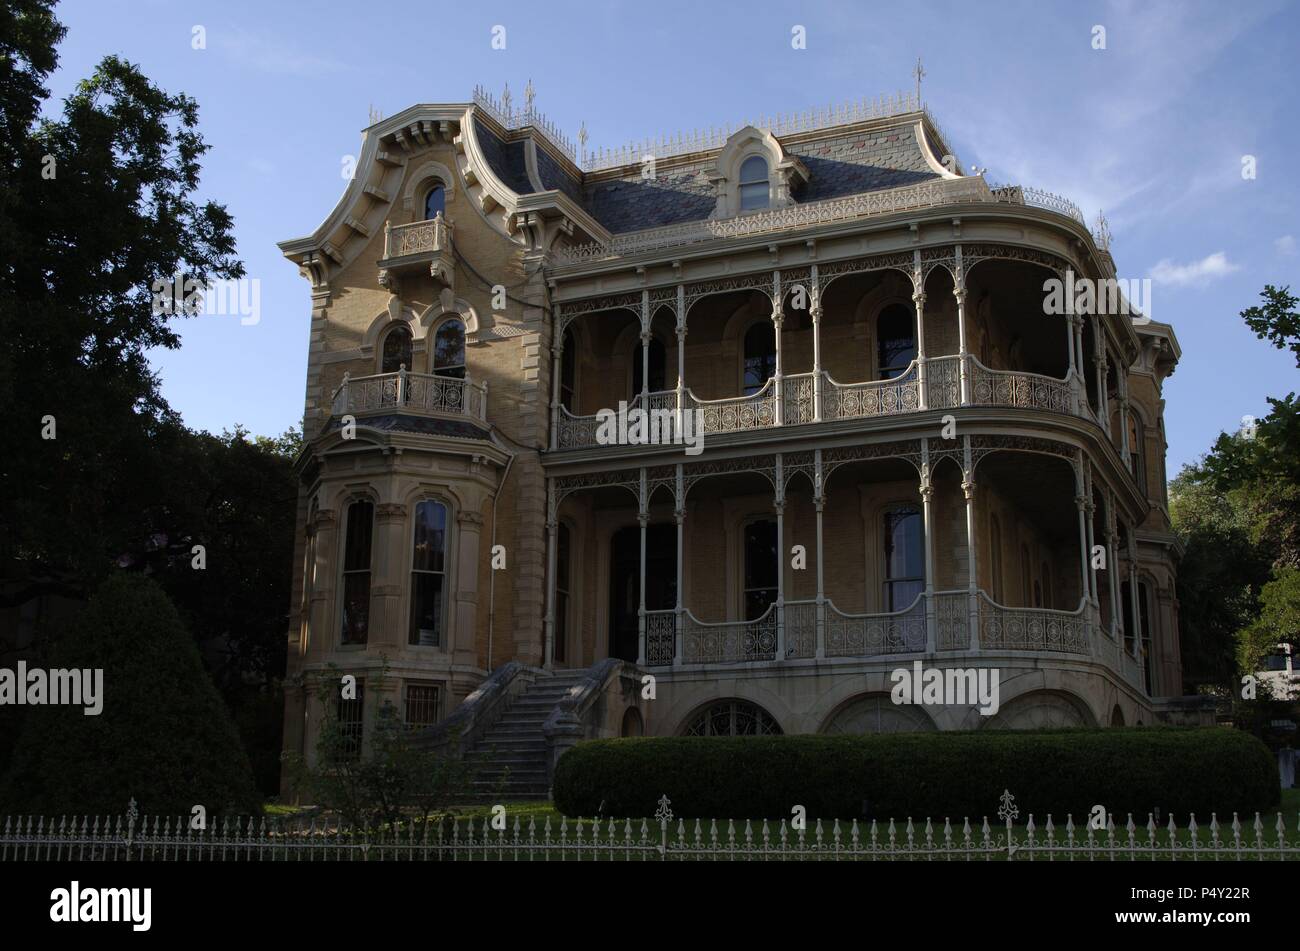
(418, 237)
(952, 620)
(729, 642)
(1032, 629)
(1015, 388)
(900, 394)
(866, 635)
(800, 619)
(411, 392)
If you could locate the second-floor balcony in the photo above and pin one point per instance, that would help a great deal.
(424, 394)
(416, 246)
(807, 398)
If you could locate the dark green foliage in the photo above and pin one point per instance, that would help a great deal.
(936, 775)
(164, 737)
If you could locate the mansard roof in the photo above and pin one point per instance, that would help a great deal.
(841, 160)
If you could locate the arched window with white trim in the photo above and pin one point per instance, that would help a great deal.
(357, 535)
(428, 573)
(396, 352)
(904, 556)
(449, 349)
(435, 201)
(755, 191)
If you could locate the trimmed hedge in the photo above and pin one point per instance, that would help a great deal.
(953, 774)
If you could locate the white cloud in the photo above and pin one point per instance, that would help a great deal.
(1285, 244)
(1194, 274)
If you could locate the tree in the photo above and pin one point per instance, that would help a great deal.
(1276, 320)
(164, 736)
(1278, 621)
(95, 205)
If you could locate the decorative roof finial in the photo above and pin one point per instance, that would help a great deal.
(582, 137)
(505, 103)
(529, 95)
(1102, 232)
(919, 73)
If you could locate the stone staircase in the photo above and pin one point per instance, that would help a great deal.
(510, 760)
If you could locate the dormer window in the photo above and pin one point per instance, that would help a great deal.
(435, 202)
(754, 190)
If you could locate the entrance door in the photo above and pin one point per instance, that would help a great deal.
(625, 577)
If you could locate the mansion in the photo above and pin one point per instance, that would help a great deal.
(901, 453)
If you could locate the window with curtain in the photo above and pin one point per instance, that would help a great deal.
(357, 534)
(760, 356)
(761, 561)
(657, 360)
(435, 202)
(904, 556)
(449, 349)
(428, 574)
(895, 341)
(754, 190)
(397, 350)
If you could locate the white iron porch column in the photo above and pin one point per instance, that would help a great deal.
(1081, 503)
(918, 298)
(968, 487)
(819, 502)
(779, 506)
(1122, 377)
(963, 338)
(1137, 631)
(778, 318)
(1072, 373)
(642, 520)
(681, 354)
(927, 522)
(552, 524)
(679, 516)
(1078, 363)
(557, 355)
(1112, 564)
(815, 311)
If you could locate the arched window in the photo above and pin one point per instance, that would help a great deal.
(904, 557)
(397, 350)
(561, 593)
(1136, 457)
(732, 718)
(568, 371)
(760, 356)
(357, 534)
(761, 566)
(995, 556)
(428, 573)
(754, 191)
(449, 349)
(657, 358)
(435, 202)
(895, 341)
(1144, 626)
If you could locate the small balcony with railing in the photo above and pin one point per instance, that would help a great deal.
(420, 394)
(420, 246)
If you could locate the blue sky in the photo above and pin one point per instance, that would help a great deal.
(1152, 130)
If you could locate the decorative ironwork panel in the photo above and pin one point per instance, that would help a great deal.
(901, 394)
(870, 635)
(660, 638)
(800, 629)
(1031, 629)
(730, 642)
(1022, 390)
(798, 396)
(943, 382)
(952, 618)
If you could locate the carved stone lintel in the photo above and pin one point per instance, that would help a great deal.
(390, 511)
(469, 517)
